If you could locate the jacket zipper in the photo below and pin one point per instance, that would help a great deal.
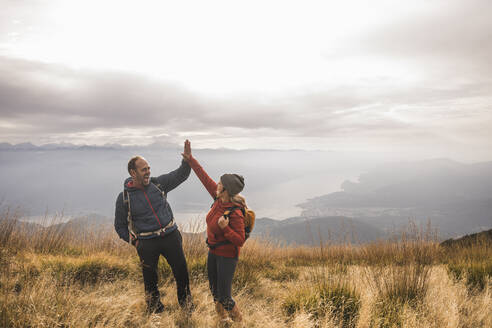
(152, 209)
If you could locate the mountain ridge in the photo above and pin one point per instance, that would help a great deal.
(456, 196)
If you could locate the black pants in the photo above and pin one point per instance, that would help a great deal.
(220, 272)
(171, 247)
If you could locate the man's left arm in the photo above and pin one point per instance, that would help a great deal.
(121, 219)
(173, 179)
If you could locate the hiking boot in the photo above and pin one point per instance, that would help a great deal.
(236, 314)
(220, 311)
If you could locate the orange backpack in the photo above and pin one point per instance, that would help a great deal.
(249, 219)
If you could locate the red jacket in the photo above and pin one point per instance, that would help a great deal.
(234, 232)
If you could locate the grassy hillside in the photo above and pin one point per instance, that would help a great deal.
(483, 237)
(63, 278)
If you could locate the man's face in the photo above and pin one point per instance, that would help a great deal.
(141, 176)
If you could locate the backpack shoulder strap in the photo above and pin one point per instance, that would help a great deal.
(227, 213)
(215, 199)
(248, 218)
(159, 186)
(126, 200)
(129, 218)
(229, 210)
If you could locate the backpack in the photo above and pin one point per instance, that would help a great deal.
(249, 223)
(248, 217)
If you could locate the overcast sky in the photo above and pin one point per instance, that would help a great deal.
(377, 76)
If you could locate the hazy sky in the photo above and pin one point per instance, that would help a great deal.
(407, 76)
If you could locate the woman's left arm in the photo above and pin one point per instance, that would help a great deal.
(234, 231)
(207, 182)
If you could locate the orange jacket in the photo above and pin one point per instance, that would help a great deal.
(234, 232)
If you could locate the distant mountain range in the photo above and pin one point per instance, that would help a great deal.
(92, 223)
(65, 146)
(455, 197)
(5, 146)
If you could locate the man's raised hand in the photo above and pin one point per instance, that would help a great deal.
(187, 150)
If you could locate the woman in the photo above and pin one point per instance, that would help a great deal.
(225, 234)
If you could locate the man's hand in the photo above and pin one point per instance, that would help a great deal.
(223, 222)
(187, 150)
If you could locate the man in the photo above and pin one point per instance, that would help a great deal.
(144, 218)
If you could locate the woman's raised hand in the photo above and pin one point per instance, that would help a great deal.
(187, 150)
(223, 222)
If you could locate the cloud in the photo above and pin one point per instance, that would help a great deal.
(447, 38)
(438, 91)
(47, 102)
(30, 88)
(54, 99)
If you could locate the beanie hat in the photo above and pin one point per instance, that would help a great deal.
(233, 183)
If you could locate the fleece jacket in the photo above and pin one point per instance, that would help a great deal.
(150, 209)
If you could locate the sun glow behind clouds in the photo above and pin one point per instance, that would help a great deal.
(213, 47)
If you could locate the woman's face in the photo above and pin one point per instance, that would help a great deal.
(220, 188)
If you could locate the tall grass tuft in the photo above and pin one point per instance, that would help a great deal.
(400, 284)
(84, 272)
(254, 260)
(246, 276)
(470, 262)
(8, 223)
(397, 286)
(281, 273)
(476, 275)
(403, 280)
(335, 299)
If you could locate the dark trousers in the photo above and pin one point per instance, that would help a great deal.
(171, 247)
(220, 272)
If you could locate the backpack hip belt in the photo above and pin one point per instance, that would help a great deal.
(160, 232)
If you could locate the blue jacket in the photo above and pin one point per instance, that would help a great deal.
(150, 210)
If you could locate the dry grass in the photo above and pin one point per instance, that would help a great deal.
(62, 278)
